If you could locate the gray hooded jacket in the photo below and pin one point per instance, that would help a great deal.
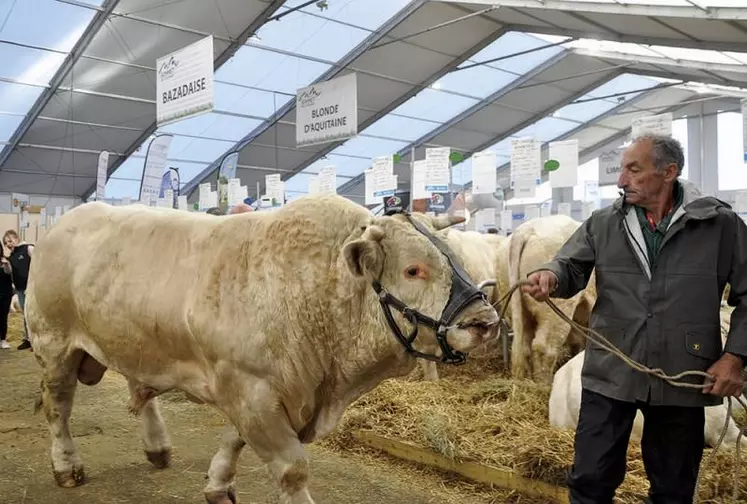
(664, 316)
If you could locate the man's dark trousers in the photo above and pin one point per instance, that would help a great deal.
(672, 448)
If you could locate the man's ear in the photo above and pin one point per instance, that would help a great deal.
(364, 256)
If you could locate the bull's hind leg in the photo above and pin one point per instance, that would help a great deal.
(59, 379)
(221, 487)
(155, 437)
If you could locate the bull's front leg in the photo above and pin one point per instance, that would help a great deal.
(262, 421)
(221, 487)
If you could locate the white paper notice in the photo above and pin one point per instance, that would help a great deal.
(383, 176)
(652, 125)
(526, 158)
(275, 189)
(328, 180)
(564, 209)
(524, 188)
(610, 166)
(546, 209)
(507, 222)
(234, 192)
(531, 212)
(213, 201)
(369, 186)
(419, 174)
(438, 169)
(168, 196)
(126, 201)
(740, 205)
(566, 154)
(483, 172)
(591, 191)
(182, 202)
(484, 219)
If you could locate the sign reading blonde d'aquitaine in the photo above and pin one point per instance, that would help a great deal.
(327, 111)
(184, 82)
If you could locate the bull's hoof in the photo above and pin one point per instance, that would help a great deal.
(160, 459)
(71, 479)
(222, 497)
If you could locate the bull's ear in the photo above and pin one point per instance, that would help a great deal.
(364, 256)
(445, 221)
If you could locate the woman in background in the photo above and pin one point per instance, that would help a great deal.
(6, 295)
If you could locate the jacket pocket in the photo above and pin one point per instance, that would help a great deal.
(703, 340)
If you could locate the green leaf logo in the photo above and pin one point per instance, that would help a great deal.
(551, 165)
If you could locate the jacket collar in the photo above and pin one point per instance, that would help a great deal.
(695, 204)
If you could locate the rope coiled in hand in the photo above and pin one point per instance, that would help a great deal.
(674, 380)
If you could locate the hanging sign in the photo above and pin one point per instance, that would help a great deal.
(101, 175)
(419, 173)
(327, 111)
(483, 172)
(652, 125)
(384, 180)
(155, 162)
(437, 169)
(565, 155)
(610, 166)
(327, 180)
(184, 82)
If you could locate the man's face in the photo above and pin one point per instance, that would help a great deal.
(10, 242)
(639, 178)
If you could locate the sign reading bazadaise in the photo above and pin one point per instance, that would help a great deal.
(327, 111)
(184, 82)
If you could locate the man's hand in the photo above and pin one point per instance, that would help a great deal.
(727, 377)
(542, 284)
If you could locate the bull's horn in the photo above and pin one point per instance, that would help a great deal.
(445, 221)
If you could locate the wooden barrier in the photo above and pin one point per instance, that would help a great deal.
(477, 472)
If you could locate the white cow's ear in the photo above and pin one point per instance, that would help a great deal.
(364, 256)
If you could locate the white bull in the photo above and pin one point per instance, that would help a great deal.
(270, 317)
(565, 405)
(542, 340)
(477, 253)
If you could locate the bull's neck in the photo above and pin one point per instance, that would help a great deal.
(369, 351)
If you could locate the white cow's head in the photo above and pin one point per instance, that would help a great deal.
(392, 254)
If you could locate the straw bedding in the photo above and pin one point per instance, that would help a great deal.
(477, 413)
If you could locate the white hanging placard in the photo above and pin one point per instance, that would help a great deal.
(564, 209)
(385, 183)
(660, 124)
(483, 172)
(182, 201)
(524, 188)
(438, 169)
(526, 158)
(184, 82)
(507, 222)
(369, 186)
(565, 153)
(327, 111)
(419, 175)
(531, 212)
(327, 180)
(610, 166)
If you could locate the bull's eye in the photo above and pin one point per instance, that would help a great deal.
(416, 271)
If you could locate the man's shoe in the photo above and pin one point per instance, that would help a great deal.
(23, 346)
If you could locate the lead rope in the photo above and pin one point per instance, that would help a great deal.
(600, 340)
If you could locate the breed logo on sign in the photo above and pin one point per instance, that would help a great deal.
(166, 71)
(307, 98)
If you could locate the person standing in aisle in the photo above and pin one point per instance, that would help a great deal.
(6, 295)
(20, 262)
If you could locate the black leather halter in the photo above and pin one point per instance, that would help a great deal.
(463, 292)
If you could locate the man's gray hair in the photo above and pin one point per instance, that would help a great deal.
(665, 151)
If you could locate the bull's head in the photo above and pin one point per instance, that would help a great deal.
(443, 313)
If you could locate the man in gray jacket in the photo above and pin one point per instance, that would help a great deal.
(662, 254)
